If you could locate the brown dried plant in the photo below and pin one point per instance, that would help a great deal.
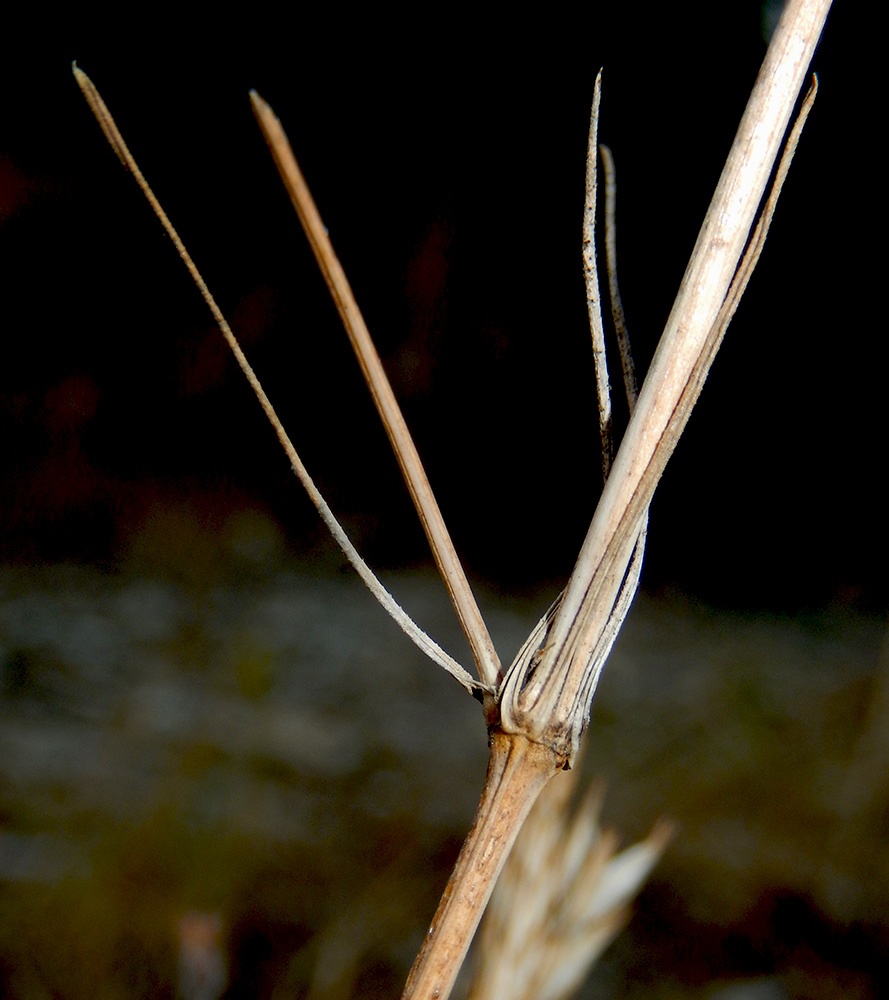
(563, 895)
(536, 710)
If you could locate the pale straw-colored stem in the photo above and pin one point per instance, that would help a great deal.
(664, 405)
(423, 641)
(548, 689)
(556, 705)
(443, 550)
(545, 698)
(563, 895)
(518, 770)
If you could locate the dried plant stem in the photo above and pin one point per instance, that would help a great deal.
(446, 558)
(428, 645)
(537, 714)
(547, 691)
(563, 895)
(591, 281)
(563, 673)
(617, 308)
(518, 770)
(665, 401)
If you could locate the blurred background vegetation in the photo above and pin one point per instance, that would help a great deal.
(174, 742)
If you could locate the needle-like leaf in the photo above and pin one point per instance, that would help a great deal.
(428, 645)
(537, 715)
(443, 550)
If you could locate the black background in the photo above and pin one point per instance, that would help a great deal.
(446, 153)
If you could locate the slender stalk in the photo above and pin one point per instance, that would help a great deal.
(563, 895)
(617, 308)
(443, 550)
(591, 281)
(518, 771)
(664, 404)
(537, 715)
(547, 691)
(431, 648)
(555, 705)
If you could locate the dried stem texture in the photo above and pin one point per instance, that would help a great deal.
(371, 368)
(547, 692)
(563, 895)
(427, 508)
(555, 704)
(518, 770)
(537, 714)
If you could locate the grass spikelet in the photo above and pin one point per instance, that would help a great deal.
(563, 896)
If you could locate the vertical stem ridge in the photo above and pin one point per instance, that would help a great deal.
(518, 770)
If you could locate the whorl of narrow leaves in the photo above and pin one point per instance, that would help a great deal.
(537, 711)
